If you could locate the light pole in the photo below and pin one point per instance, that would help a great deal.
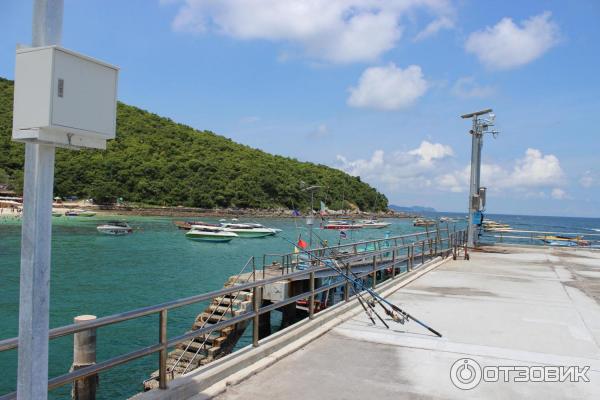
(310, 219)
(477, 193)
(36, 234)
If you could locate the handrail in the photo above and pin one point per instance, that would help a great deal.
(581, 239)
(237, 277)
(454, 241)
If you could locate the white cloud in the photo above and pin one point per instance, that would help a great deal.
(388, 88)
(535, 170)
(588, 179)
(334, 30)
(431, 151)
(558, 194)
(430, 167)
(467, 88)
(444, 22)
(532, 172)
(507, 45)
(398, 169)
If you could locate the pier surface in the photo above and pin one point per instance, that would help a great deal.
(507, 306)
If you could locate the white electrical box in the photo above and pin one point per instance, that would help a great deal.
(64, 98)
(276, 291)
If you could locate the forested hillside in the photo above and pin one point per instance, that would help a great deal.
(157, 161)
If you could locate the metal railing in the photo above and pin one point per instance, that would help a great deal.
(541, 238)
(389, 259)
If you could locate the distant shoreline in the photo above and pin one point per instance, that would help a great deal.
(191, 212)
(188, 212)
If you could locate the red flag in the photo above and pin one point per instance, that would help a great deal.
(301, 243)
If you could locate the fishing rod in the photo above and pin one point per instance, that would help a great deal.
(365, 303)
(405, 315)
(388, 312)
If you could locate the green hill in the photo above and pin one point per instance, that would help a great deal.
(156, 161)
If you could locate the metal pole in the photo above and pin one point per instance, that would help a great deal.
(347, 290)
(255, 321)
(84, 355)
(36, 235)
(476, 143)
(163, 355)
(374, 283)
(312, 221)
(311, 303)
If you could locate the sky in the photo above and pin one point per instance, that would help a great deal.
(375, 88)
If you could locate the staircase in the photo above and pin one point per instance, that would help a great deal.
(214, 344)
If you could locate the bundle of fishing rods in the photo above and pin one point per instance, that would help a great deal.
(397, 314)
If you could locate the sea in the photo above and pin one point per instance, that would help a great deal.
(103, 275)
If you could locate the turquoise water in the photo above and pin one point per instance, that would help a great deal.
(103, 275)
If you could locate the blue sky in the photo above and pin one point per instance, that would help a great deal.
(372, 87)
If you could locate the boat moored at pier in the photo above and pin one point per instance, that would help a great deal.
(210, 234)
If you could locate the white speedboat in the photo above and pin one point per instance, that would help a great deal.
(256, 225)
(342, 225)
(115, 228)
(373, 224)
(79, 213)
(210, 234)
(248, 230)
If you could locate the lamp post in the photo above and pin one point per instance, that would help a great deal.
(36, 234)
(480, 125)
(310, 220)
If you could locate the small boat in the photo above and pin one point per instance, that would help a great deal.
(210, 234)
(187, 225)
(493, 226)
(423, 222)
(567, 241)
(373, 224)
(115, 228)
(79, 213)
(255, 225)
(342, 225)
(248, 230)
(447, 220)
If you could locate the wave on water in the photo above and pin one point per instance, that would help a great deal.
(595, 229)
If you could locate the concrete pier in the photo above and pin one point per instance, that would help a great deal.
(509, 307)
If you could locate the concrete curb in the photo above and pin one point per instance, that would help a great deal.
(213, 379)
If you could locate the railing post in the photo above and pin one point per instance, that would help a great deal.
(347, 290)
(374, 276)
(423, 252)
(255, 323)
(411, 250)
(162, 357)
(311, 302)
(394, 263)
(84, 354)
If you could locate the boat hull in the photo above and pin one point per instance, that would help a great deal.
(375, 226)
(214, 239)
(343, 227)
(114, 231)
(250, 234)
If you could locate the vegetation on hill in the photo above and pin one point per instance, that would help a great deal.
(156, 161)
